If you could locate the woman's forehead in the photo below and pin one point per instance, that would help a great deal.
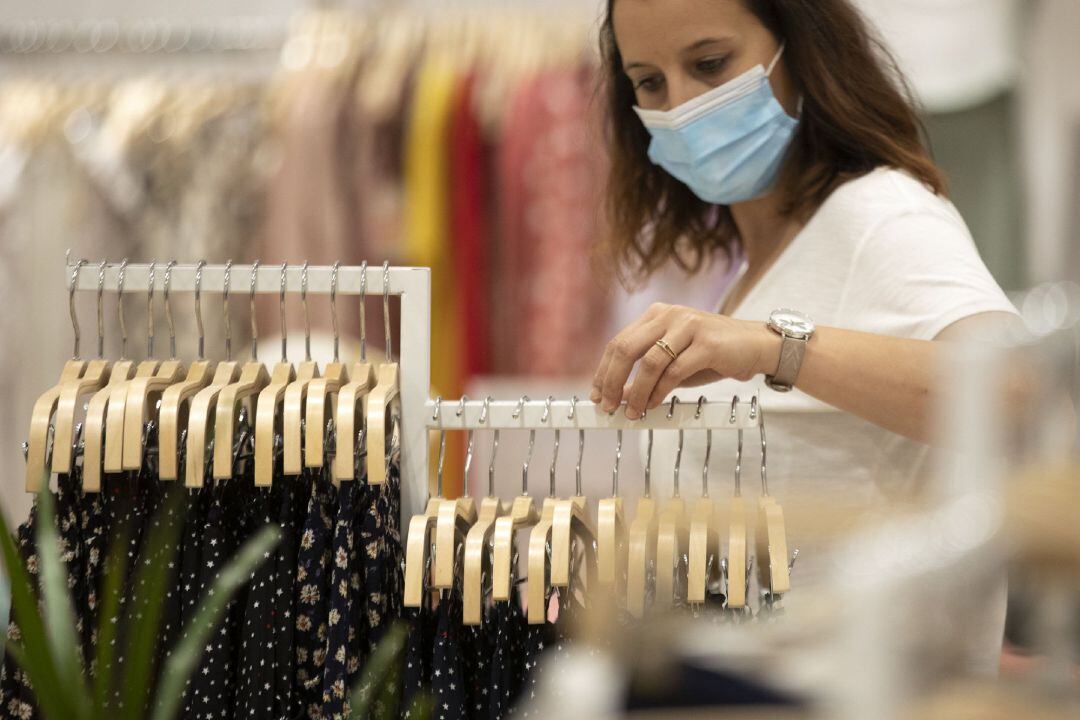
(647, 29)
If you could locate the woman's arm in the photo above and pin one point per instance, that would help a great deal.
(888, 381)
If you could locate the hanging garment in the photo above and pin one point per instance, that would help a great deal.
(380, 545)
(507, 658)
(16, 694)
(447, 676)
(416, 673)
(312, 587)
(476, 660)
(343, 643)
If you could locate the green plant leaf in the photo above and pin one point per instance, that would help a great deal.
(143, 617)
(185, 656)
(377, 669)
(59, 610)
(115, 572)
(33, 653)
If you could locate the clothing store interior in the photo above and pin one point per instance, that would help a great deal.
(578, 359)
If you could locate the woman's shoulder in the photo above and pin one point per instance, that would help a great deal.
(881, 212)
(881, 195)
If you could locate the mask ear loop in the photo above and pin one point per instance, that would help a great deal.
(776, 59)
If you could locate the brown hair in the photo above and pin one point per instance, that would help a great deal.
(857, 115)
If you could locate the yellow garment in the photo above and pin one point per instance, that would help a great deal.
(427, 233)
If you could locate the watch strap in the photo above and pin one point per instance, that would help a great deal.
(787, 370)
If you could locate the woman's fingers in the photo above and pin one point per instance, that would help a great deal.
(692, 363)
(654, 363)
(619, 358)
(649, 317)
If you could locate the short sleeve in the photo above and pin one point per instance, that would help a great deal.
(915, 274)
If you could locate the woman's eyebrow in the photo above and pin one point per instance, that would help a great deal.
(707, 41)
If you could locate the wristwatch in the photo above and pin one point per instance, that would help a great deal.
(795, 330)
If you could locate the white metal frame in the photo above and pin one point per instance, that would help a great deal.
(413, 287)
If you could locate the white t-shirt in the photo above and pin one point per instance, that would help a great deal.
(883, 255)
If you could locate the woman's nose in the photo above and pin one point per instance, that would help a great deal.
(682, 89)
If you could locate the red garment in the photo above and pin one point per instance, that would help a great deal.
(468, 230)
(551, 182)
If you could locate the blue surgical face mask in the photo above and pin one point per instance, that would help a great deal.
(728, 144)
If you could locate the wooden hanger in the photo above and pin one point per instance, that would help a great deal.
(322, 391)
(386, 393)
(611, 529)
(478, 540)
(37, 467)
(176, 397)
(94, 377)
(539, 540)
(670, 532)
(539, 576)
(453, 522)
(736, 566)
(253, 378)
(522, 514)
(203, 406)
(702, 542)
(95, 424)
(772, 552)
(350, 399)
(418, 541)
(116, 411)
(295, 394)
(641, 542)
(270, 400)
(570, 520)
(142, 390)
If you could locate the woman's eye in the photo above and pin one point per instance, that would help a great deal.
(651, 83)
(710, 66)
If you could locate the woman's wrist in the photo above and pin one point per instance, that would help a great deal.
(768, 343)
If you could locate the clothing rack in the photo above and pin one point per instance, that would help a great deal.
(141, 37)
(413, 287)
(410, 284)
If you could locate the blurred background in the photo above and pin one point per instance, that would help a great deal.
(461, 135)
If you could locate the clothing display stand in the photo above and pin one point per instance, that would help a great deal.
(413, 288)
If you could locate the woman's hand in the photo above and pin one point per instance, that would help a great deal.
(708, 347)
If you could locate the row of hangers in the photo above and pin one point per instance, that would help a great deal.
(457, 543)
(200, 408)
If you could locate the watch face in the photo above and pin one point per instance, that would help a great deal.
(792, 322)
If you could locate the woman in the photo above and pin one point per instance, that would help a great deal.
(780, 132)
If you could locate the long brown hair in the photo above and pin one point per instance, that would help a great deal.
(857, 115)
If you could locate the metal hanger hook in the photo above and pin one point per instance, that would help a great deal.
(581, 445)
(708, 454)
(555, 454)
(101, 309)
(150, 312)
(618, 462)
(469, 448)
(648, 464)
(738, 451)
(225, 310)
(757, 411)
(520, 406)
(333, 307)
(442, 445)
(494, 447)
(120, 306)
(307, 318)
(363, 311)
(251, 312)
(281, 315)
(678, 448)
(71, 303)
(386, 307)
(547, 409)
(168, 309)
(198, 307)
(532, 444)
